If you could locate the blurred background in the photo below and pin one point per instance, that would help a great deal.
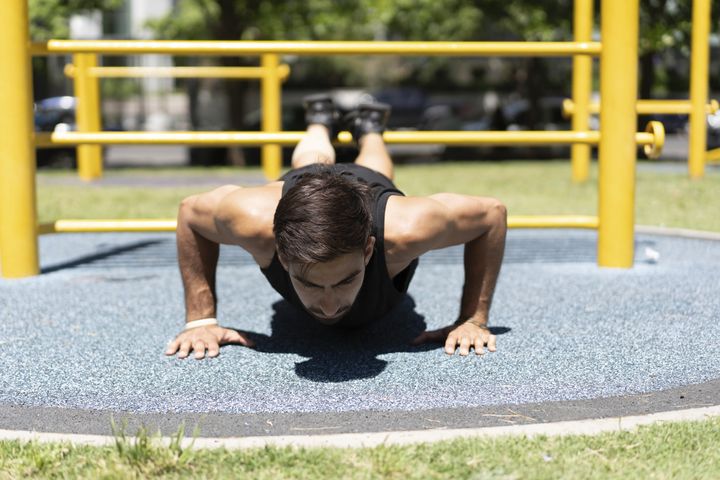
(425, 93)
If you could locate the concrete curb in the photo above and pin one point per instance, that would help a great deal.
(362, 440)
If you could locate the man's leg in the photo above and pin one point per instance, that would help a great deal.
(315, 147)
(374, 154)
(321, 118)
(367, 125)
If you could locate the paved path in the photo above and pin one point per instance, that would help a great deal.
(84, 341)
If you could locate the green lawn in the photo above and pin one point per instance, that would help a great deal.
(662, 451)
(663, 199)
(674, 450)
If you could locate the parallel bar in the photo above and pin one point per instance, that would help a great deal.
(169, 225)
(271, 102)
(699, 59)
(18, 212)
(97, 226)
(581, 87)
(617, 159)
(87, 92)
(178, 72)
(136, 47)
(553, 221)
(713, 156)
(292, 138)
(648, 107)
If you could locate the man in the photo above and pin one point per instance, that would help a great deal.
(340, 242)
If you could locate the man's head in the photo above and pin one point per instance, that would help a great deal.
(322, 230)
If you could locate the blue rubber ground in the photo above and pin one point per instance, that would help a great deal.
(90, 332)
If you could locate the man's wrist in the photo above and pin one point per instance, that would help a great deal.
(472, 319)
(203, 322)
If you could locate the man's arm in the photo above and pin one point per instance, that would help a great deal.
(197, 254)
(480, 223)
(204, 222)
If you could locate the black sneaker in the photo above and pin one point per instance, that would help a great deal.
(319, 109)
(367, 118)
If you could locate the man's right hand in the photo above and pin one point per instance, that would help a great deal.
(210, 337)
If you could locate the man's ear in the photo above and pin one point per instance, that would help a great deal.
(369, 246)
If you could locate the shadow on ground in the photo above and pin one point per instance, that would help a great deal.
(338, 354)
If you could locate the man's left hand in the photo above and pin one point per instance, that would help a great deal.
(465, 335)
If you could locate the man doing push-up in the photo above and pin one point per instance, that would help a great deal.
(338, 241)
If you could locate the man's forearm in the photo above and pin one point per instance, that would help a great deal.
(482, 259)
(197, 257)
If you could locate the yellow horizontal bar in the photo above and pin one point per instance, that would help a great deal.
(172, 47)
(169, 225)
(97, 226)
(644, 107)
(713, 156)
(553, 221)
(292, 138)
(179, 72)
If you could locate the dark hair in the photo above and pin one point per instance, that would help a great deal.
(324, 215)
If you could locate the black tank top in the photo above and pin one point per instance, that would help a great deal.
(379, 293)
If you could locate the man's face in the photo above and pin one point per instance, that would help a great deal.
(329, 289)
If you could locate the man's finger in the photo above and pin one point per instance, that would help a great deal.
(479, 345)
(450, 344)
(172, 347)
(491, 343)
(184, 349)
(464, 346)
(213, 350)
(199, 348)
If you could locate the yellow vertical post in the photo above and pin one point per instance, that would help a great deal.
(18, 213)
(581, 87)
(617, 156)
(271, 114)
(699, 87)
(87, 115)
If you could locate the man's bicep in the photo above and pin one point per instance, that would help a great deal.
(463, 218)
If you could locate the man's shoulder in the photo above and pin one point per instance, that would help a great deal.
(411, 224)
(247, 214)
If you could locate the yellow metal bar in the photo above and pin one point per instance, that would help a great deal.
(18, 213)
(292, 138)
(98, 226)
(552, 221)
(87, 115)
(699, 58)
(179, 72)
(169, 225)
(618, 90)
(581, 87)
(713, 156)
(646, 107)
(233, 48)
(270, 87)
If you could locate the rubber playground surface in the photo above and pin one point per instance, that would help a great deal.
(84, 341)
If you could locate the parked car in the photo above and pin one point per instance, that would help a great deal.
(51, 115)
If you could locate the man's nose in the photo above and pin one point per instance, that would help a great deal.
(329, 305)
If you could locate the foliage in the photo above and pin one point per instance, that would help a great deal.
(50, 18)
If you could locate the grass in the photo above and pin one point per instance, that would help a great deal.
(686, 450)
(527, 188)
(674, 450)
